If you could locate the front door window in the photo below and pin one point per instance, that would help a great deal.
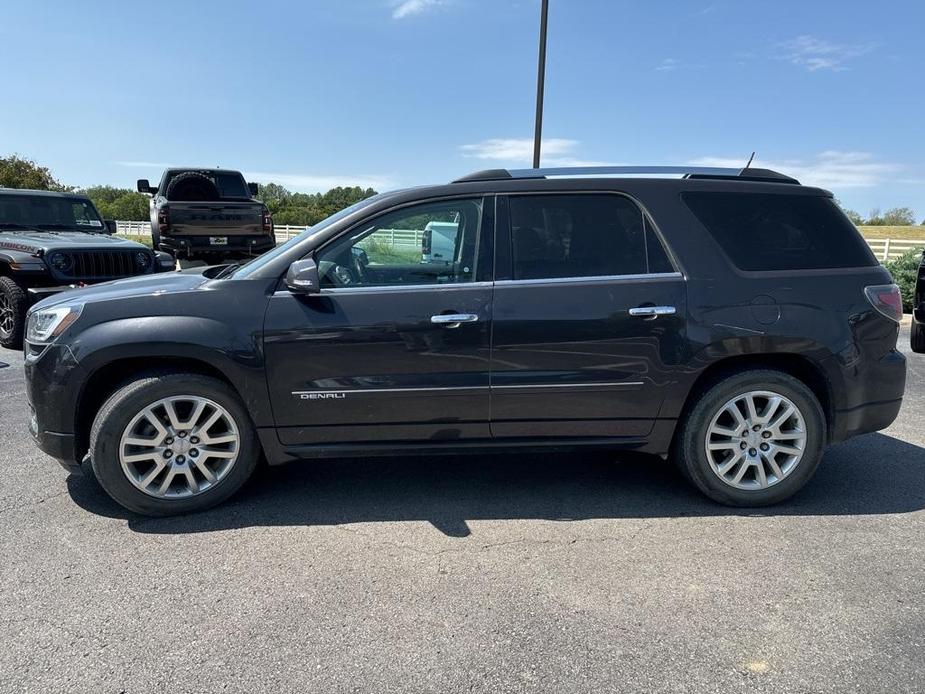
(433, 243)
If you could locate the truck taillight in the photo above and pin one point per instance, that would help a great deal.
(267, 222)
(886, 299)
(163, 218)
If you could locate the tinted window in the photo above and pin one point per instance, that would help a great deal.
(433, 243)
(655, 251)
(49, 211)
(580, 235)
(231, 185)
(780, 232)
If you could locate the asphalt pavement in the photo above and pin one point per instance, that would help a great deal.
(546, 573)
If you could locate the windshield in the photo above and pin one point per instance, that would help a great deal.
(48, 212)
(248, 268)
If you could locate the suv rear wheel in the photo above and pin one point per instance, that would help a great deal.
(753, 439)
(917, 336)
(172, 443)
(13, 305)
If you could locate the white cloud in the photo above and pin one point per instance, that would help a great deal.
(668, 65)
(409, 8)
(830, 169)
(813, 53)
(556, 151)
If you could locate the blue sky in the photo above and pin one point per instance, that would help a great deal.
(391, 93)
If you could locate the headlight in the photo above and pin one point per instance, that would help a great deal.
(142, 260)
(165, 261)
(62, 262)
(47, 323)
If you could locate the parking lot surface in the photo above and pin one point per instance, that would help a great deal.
(555, 573)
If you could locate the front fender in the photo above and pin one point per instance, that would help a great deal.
(230, 349)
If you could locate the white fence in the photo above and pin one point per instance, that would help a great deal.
(409, 239)
(887, 249)
(884, 249)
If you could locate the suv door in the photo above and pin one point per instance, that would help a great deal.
(589, 318)
(395, 347)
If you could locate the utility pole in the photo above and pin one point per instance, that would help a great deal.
(540, 85)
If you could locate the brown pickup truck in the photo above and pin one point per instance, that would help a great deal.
(209, 214)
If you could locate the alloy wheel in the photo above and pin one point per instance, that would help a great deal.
(7, 317)
(755, 440)
(179, 447)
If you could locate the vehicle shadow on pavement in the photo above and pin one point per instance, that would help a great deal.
(874, 474)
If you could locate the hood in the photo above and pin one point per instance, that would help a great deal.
(33, 241)
(132, 287)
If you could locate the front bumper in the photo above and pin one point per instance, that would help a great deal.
(59, 446)
(53, 380)
(201, 245)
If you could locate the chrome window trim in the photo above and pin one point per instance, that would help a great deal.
(595, 279)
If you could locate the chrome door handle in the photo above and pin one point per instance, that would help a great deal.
(652, 311)
(452, 320)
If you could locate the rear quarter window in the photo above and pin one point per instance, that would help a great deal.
(766, 231)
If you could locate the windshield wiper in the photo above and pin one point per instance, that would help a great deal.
(227, 271)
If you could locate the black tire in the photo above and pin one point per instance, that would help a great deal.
(192, 187)
(13, 305)
(917, 337)
(691, 457)
(126, 402)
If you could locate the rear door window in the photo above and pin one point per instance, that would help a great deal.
(766, 231)
(582, 235)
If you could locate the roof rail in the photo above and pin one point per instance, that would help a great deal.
(686, 171)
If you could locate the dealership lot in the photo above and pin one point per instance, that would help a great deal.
(483, 573)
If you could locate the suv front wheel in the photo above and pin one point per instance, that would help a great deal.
(753, 439)
(172, 443)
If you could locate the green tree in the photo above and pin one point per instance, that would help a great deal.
(899, 216)
(273, 195)
(119, 203)
(905, 270)
(19, 172)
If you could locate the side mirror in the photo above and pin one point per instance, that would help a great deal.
(111, 227)
(253, 188)
(145, 187)
(303, 277)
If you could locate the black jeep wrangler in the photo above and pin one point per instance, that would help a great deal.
(50, 242)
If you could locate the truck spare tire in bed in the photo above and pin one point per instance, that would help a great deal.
(192, 186)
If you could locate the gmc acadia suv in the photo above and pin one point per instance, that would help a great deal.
(732, 320)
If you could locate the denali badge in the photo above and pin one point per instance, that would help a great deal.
(319, 396)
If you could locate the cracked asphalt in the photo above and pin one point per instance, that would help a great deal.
(546, 573)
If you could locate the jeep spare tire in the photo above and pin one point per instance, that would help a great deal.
(192, 187)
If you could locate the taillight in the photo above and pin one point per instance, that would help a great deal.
(886, 299)
(163, 218)
(267, 221)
